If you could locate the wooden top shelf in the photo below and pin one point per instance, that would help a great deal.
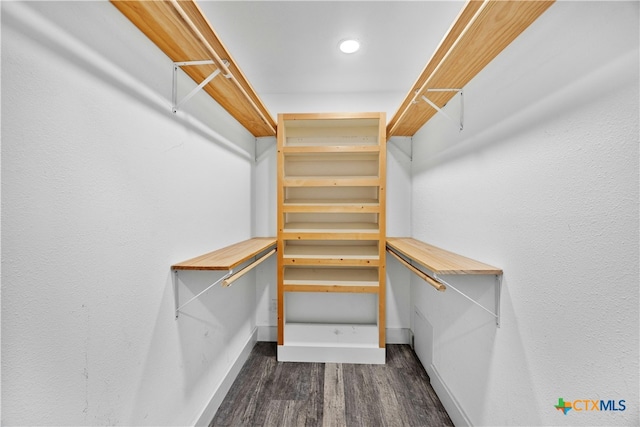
(438, 260)
(482, 30)
(228, 257)
(183, 33)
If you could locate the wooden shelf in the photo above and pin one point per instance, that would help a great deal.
(328, 140)
(183, 33)
(352, 280)
(330, 227)
(323, 156)
(369, 252)
(331, 202)
(331, 206)
(336, 124)
(330, 149)
(482, 30)
(228, 257)
(331, 255)
(331, 181)
(438, 260)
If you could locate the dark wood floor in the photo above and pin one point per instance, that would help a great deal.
(272, 393)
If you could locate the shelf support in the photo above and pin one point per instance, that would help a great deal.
(440, 284)
(175, 285)
(498, 286)
(175, 104)
(460, 122)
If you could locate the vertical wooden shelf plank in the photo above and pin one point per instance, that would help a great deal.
(382, 221)
(281, 138)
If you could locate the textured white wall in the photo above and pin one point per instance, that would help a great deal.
(102, 190)
(543, 182)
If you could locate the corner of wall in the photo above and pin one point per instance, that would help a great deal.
(221, 391)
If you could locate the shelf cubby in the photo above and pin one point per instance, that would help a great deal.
(330, 279)
(331, 253)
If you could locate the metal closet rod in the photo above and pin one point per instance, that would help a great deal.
(229, 280)
(430, 280)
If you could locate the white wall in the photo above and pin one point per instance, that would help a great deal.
(103, 188)
(542, 182)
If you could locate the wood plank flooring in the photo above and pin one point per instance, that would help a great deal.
(272, 393)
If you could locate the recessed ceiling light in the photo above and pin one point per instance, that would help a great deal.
(349, 46)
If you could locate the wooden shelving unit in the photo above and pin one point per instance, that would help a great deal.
(442, 262)
(331, 231)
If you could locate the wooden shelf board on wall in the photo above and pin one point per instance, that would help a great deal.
(228, 257)
(482, 30)
(165, 24)
(438, 260)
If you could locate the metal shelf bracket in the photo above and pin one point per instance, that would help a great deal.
(175, 104)
(175, 289)
(497, 296)
(460, 122)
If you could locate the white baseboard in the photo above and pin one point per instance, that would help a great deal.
(267, 333)
(398, 336)
(218, 396)
(394, 335)
(331, 354)
(423, 346)
(450, 403)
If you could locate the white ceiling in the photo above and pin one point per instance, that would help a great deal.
(291, 47)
